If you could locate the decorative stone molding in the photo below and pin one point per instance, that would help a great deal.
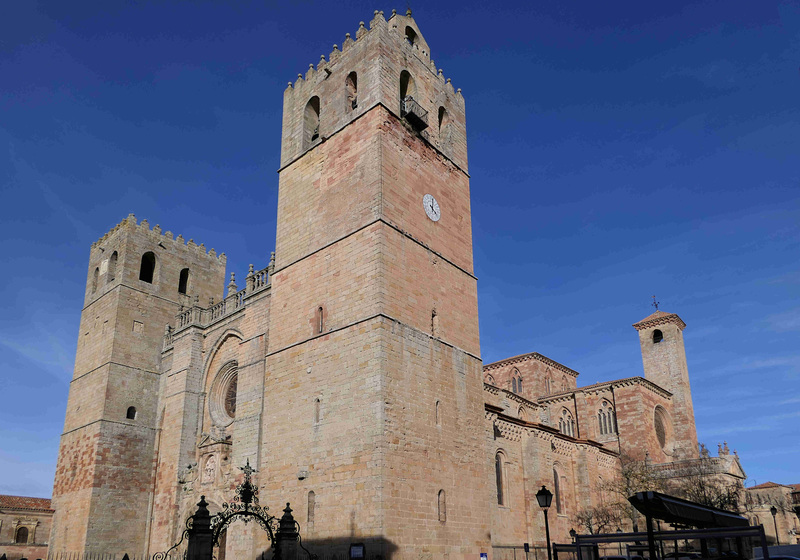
(531, 356)
(659, 318)
(220, 406)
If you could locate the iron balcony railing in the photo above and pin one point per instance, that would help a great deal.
(414, 114)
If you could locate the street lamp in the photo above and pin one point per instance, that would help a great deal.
(545, 498)
(572, 533)
(774, 511)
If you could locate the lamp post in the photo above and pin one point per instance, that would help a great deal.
(619, 544)
(572, 533)
(774, 511)
(545, 498)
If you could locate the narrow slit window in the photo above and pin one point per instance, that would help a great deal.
(311, 122)
(499, 478)
(442, 506)
(320, 320)
(351, 85)
(316, 411)
(557, 493)
(312, 504)
(95, 276)
(112, 267)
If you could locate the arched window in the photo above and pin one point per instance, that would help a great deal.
(658, 336)
(95, 276)
(444, 120)
(434, 323)
(444, 127)
(489, 379)
(522, 414)
(516, 381)
(547, 385)
(131, 414)
(183, 281)
(407, 89)
(311, 122)
(661, 426)
(312, 504)
(442, 506)
(564, 384)
(411, 35)
(566, 424)
(148, 267)
(606, 418)
(438, 417)
(351, 86)
(500, 478)
(317, 406)
(21, 536)
(557, 491)
(112, 268)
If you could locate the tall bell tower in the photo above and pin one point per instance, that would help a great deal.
(374, 400)
(664, 360)
(138, 279)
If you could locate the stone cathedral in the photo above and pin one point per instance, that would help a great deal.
(347, 370)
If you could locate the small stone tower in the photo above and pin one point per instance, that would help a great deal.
(138, 281)
(664, 359)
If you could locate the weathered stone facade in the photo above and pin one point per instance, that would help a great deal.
(347, 370)
(24, 527)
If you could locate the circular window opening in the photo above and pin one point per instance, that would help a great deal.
(222, 400)
(658, 336)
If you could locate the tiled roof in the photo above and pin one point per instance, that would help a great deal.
(23, 502)
(767, 485)
(659, 318)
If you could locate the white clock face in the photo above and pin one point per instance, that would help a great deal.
(431, 207)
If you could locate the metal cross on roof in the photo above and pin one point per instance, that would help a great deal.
(655, 303)
(247, 470)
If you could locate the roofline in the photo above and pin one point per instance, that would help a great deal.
(626, 381)
(549, 429)
(534, 355)
(662, 320)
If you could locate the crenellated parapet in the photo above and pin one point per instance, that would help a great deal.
(130, 224)
(382, 64)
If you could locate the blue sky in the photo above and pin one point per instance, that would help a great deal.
(617, 150)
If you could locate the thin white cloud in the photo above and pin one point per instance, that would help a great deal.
(783, 322)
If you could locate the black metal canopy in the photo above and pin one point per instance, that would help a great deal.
(675, 510)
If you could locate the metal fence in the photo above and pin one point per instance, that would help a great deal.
(518, 553)
(63, 555)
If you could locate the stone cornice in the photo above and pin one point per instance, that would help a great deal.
(513, 429)
(659, 318)
(535, 356)
(626, 382)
